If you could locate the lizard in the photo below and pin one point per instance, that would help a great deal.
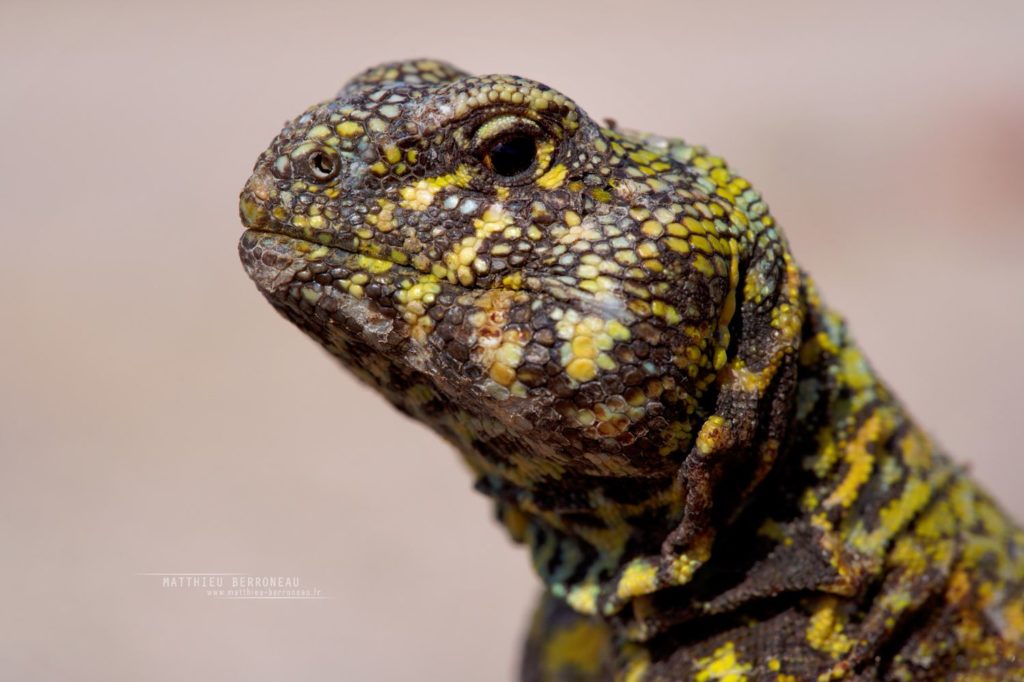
(610, 327)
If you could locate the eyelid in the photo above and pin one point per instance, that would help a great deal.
(502, 125)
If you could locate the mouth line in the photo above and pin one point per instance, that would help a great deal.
(315, 246)
(540, 284)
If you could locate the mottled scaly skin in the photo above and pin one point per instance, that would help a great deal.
(712, 481)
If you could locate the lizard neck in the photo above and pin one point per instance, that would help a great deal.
(852, 476)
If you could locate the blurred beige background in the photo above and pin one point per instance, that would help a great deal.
(157, 416)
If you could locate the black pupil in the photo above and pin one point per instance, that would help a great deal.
(513, 155)
(322, 164)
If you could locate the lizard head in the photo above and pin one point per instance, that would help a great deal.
(554, 297)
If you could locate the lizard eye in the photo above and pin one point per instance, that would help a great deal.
(510, 146)
(322, 166)
(512, 156)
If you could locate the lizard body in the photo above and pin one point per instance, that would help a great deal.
(612, 331)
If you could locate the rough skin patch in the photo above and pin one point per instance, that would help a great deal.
(612, 331)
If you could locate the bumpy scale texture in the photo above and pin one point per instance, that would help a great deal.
(611, 330)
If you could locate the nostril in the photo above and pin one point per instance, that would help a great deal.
(252, 204)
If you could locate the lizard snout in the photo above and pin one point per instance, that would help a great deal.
(254, 201)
